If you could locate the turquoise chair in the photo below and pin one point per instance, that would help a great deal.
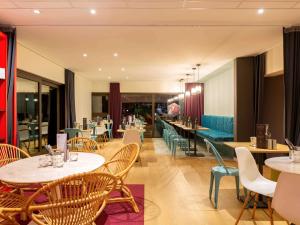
(109, 128)
(176, 140)
(72, 132)
(220, 171)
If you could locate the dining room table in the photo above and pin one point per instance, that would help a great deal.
(28, 170)
(259, 154)
(189, 130)
(283, 164)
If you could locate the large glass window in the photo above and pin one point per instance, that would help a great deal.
(37, 112)
(99, 105)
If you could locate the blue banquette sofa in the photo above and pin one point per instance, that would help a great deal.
(220, 128)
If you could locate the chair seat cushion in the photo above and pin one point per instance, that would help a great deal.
(231, 171)
(216, 135)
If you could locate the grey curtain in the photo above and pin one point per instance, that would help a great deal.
(259, 74)
(70, 113)
(11, 79)
(291, 45)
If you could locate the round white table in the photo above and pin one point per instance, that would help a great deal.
(283, 164)
(27, 171)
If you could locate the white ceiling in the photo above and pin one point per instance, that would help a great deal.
(156, 40)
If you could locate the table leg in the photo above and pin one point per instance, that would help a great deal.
(195, 146)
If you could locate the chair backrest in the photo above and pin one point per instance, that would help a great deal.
(216, 154)
(132, 136)
(23, 132)
(120, 164)
(248, 170)
(72, 132)
(82, 144)
(286, 200)
(77, 199)
(33, 127)
(10, 153)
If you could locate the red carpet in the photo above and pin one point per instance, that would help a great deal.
(120, 213)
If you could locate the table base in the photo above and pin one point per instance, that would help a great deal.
(192, 154)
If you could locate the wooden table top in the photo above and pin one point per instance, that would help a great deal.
(140, 130)
(280, 147)
(179, 124)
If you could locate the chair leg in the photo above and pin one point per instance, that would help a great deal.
(237, 185)
(217, 186)
(244, 207)
(255, 205)
(212, 177)
(270, 210)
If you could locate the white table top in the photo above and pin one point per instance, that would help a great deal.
(27, 171)
(283, 164)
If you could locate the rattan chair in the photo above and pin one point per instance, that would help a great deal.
(78, 199)
(119, 166)
(81, 144)
(10, 153)
(10, 205)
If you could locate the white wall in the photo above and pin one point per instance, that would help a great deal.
(139, 86)
(219, 91)
(83, 99)
(33, 62)
(274, 60)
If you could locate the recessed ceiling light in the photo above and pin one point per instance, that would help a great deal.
(123, 69)
(109, 77)
(93, 11)
(100, 69)
(126, 77)
(36, 11)
(115, 54)
(260, 11)
(84, 55)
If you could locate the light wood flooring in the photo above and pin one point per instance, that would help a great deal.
(176, 190)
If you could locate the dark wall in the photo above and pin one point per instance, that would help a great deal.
(244, 114)
(273, 106)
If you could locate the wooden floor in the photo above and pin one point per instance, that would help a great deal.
(176, 190)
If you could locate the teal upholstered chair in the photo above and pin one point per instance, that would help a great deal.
(217, 172)
(72, 132)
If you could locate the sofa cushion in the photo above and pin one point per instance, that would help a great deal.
(215, 135)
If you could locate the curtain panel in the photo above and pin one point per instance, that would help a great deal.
(291, 45)
(259, 76)
(70, 113)
(194, 104)
(115, 106)
(11, 85)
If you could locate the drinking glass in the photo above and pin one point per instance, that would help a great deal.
(253, 141)
(58, 160)
(73, 156)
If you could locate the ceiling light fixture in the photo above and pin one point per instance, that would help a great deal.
(36, 11)
(109, 77)
(122, 69)
(84, 55)
(115, 54)
(187, 93)
(126, 77)
(261, 11)
(100, 69)
(198, 87)
(93, 11)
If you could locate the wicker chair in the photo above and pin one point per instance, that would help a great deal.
(119, 166)
(10, 153)
(81, 144)
(78, 199)
(10, 205)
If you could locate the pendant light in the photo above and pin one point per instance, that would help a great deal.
(187, 93)
(181, 95)
(198, 87)
(194, 89)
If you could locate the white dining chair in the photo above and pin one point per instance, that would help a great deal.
(286, 200)
(253, 181)
(132, 136)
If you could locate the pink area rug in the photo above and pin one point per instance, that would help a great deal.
(120, 213)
